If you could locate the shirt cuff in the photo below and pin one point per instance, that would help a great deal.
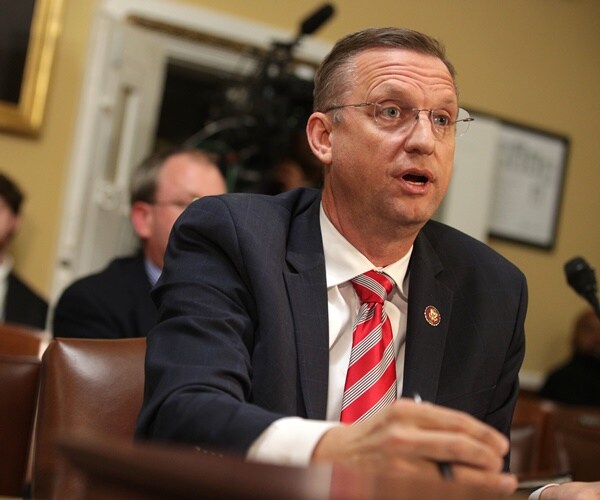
(536, 494)
(289, 441)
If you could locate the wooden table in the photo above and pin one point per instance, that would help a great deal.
(116, 469)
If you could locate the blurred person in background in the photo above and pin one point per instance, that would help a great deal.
(577, 381)
(115, 302)
(18, 302)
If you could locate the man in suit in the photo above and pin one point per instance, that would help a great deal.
(256, 336)
(577, 380)
(115, 302)
(18, 302)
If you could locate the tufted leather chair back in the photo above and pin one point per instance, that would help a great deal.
(91, 385)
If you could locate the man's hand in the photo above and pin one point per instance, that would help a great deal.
(409, 437)
(572, 491)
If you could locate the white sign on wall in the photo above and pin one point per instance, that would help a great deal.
(507, 182)
(529, 173)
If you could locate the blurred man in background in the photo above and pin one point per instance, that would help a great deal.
(18, 302)
(577, 381)
(115, 303)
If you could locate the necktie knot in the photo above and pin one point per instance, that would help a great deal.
(373, 287)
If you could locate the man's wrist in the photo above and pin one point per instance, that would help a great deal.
(289, 441)
(536, 495)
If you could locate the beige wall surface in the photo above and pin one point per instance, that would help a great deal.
(533, 62)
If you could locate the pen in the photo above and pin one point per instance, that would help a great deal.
(444, 467)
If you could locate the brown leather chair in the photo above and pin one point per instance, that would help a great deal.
(578, 433)
(19, 377)
(23, 340)
(535, 451)
(91, 385)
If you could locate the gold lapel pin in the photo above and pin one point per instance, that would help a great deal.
(432, 316)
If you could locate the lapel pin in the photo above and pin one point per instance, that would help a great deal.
(432, 316)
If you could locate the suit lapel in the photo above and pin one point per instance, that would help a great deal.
(305, 280)
(425, 342)
(13, 304)
(145, 310)
(307, 291)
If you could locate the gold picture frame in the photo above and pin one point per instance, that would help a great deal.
(27, 70)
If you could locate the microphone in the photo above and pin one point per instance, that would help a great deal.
(313, 22)
(582, 278)
(281, 52)
(310, 24)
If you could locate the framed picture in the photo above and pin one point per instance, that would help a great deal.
(520, 171)
(29, 30)
(529, 174)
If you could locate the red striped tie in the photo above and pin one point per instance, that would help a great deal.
(371, 378)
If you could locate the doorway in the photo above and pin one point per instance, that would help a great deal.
(193, 70)
(252, 123)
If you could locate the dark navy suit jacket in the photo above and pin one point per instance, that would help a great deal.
(113, 303)
(242, 337)
(22, 305)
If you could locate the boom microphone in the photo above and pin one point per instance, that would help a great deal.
(582, 278)
(313, 22)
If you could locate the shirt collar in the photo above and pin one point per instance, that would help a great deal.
(6, 266)
(343, 261)
(152, 271)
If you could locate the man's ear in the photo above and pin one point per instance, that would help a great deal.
(15, 225)
(319, 135)
(141, 219)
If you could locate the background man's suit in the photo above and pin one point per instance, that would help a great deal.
(243, 326)
(114, 303)
(22, 305)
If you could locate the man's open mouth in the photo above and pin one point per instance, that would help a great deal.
(415, 179)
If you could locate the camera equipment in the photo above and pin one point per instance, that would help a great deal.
(260, 117)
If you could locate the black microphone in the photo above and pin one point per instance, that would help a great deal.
(313, 22)
(582, 278)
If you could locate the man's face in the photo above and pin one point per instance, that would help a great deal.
(182, 179)
(390, 179)
(8, 224)
(587, 335)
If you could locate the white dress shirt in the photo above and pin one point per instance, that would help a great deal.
(6, 265)
(291, 440)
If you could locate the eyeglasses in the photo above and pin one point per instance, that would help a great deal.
(179, 204)
(390, 115)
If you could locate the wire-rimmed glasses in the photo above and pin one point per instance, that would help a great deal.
(390, 115)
